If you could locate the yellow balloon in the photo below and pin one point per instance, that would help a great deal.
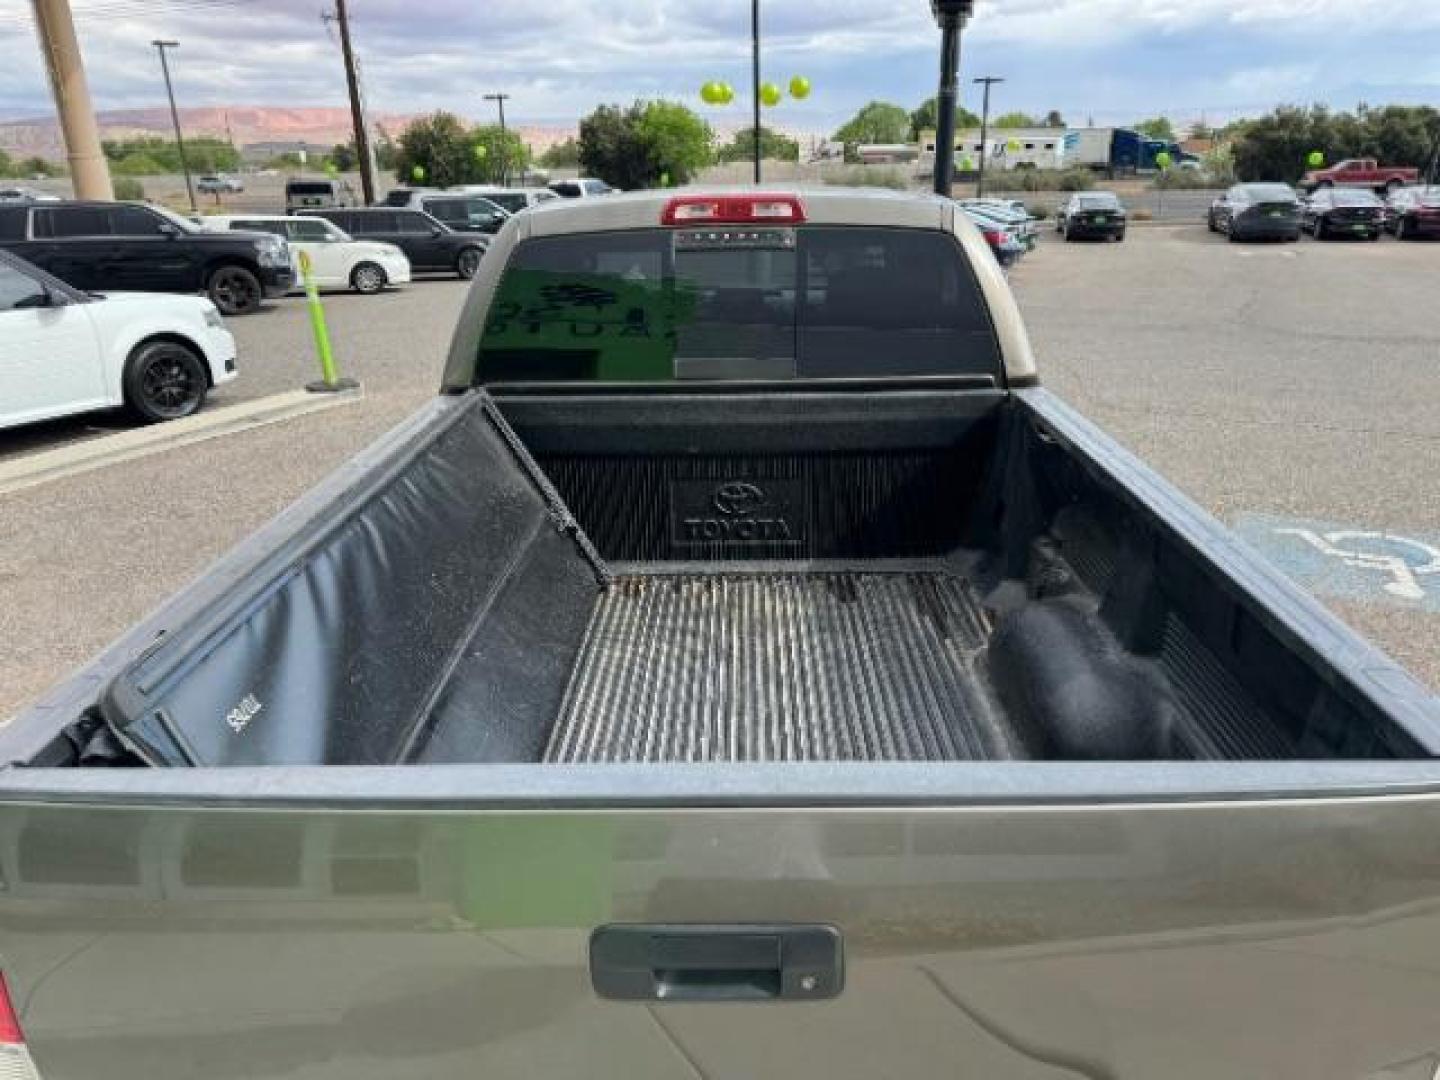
(711, 93)
(727, 93)
(799, 88)
(770, 94)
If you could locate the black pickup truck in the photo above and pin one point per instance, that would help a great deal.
(129, 247)
(742, 669)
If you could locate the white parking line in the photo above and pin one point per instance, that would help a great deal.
(44, 466)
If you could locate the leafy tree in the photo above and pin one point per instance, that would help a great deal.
(1275, 146)
(676, 140)
(639, 146)
(1053, 119)
(506, 155)
(1157, 127)
(927, 118)
(877, 122)
(563, 155)
(7, 166)
(774, 146)
(441, 145)
(1014, 120)
(38, 166)
(156, 155)
(344, 157)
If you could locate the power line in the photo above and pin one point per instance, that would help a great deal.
(114, 9)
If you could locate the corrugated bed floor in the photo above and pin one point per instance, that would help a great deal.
(782, 666)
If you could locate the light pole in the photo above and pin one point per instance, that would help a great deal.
(755, 76)
(988, 80)
(952, 16)
(500, 100)
(161, 46)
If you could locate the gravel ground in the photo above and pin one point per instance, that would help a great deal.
(1283, 379)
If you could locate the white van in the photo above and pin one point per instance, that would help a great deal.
(307, 193)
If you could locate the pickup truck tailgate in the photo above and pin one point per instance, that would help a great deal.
(1290, 937)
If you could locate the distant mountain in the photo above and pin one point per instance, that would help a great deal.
(244, 124)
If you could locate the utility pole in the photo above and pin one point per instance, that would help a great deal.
(951, 15)
(500, 100)
(755, 76)
(160, 47)
(357, 113)
(89, 172)
(988, 80)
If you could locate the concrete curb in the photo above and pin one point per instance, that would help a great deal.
(45, 466)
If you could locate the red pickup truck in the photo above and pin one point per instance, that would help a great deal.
(1361, 173)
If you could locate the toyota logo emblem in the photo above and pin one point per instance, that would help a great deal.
(736, 498)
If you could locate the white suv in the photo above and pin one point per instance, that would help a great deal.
(337, 261)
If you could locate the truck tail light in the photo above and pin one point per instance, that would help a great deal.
(14, 1054)
(733, 210)
(993, 237)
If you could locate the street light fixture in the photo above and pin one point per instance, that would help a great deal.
(161, 46)
(951, 15)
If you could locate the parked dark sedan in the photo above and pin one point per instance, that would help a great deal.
(1414, 212)
(430, 245)
(1091, 213)
(1333, 212)
(1257, 212)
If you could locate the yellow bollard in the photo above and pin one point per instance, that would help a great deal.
(330, 380)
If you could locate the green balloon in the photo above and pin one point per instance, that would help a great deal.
(712, 93)
(1163, 159)
(1315, 159)
(727, 93)
(331, 169)
(967, 164)
(1012, 145)
(481, 151)
(664, 179)
(799, 88)
(418, 172)
(770, 94)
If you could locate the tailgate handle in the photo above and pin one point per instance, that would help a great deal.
(688, 962)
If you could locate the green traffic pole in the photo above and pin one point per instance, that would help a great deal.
(330, 380)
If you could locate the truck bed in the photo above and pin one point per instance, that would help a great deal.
(728, 578)
(789, 664)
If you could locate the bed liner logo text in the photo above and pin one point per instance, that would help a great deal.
(246, 710)
(742, 514)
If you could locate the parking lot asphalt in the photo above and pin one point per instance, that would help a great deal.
(1270, 382)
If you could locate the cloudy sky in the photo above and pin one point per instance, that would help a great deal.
(1110, 60)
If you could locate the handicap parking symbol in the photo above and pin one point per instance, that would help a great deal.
(1352, 563)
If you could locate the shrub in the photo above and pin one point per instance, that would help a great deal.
(1141, 215)
(1074, 179)
(129, 189)
(1077, 180)
(867, 176)
(1036, 211)
(1183, 180)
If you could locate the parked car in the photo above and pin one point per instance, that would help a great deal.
(512, 200)
(1256, 212)
(1332, 212)
(1015, 206)
(583, 187)
(1090, 214)
(307, 193)
(742, 661)
(461, 212)
(1364, 173)
(1413, 212)
(1007, 248)
(68, 351)
(141, 248)
(337, 260)
(23, 195)
(219, 184)
(1018, 222)
(429, 244)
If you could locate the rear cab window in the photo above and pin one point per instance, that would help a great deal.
(14, 222)
(812, 302)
